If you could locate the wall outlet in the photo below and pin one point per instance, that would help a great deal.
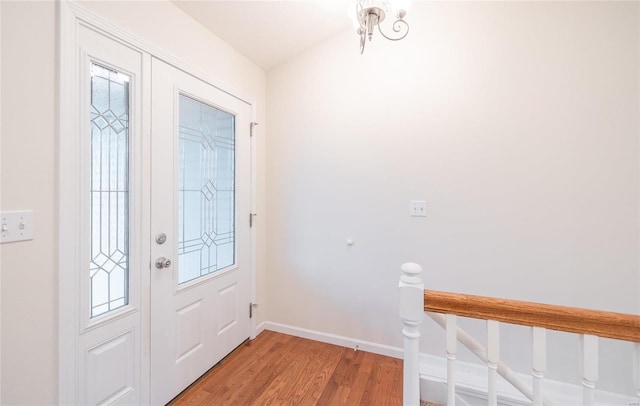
(418, 208)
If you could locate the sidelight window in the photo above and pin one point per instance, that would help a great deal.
(109, 207)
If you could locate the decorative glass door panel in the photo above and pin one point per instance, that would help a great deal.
(206, 183)
(109, 207)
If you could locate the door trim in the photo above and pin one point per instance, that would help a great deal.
(0, 194)
(70, 16)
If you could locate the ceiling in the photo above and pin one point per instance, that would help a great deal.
(268, 32)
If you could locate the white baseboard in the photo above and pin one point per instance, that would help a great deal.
(342, 341)
(259, 328)
(471, 379)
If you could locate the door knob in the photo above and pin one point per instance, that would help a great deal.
(163, 262)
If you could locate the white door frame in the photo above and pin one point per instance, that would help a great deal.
(70, 16)
(1, 200)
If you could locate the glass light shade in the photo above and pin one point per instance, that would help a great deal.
(353, 14)
(373, 3)
(398, 5)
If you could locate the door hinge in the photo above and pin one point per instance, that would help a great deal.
(251, 307)
(253, 124)
(251, 215)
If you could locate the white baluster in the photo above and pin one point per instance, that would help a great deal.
(452, 341)
(475, 347)
(589, 344)
(636, 368)
(539, 336)
(493, 354)
(412, 314)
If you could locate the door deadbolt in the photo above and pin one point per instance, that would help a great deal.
(163, 262)
(161, 238)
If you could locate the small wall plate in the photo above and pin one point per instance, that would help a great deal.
(16, 226)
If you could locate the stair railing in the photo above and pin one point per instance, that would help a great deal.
(590, 324)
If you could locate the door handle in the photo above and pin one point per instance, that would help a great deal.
(163, 262)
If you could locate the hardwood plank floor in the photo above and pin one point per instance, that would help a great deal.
(279, 369)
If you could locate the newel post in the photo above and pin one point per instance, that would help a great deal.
(411, 313)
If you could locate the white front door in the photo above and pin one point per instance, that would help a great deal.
(200, 249)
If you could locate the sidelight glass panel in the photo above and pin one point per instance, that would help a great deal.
(109, 206)
(206, 189)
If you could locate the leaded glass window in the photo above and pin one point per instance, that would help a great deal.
(206, 189)
(109, 206)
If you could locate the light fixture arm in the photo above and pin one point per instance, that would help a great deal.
(372, 15)
(399, 26)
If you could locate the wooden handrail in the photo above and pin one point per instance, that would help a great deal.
(618, 326)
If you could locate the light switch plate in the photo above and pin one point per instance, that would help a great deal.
(418, 208)
(16, 226)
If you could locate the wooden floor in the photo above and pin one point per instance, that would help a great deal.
(278, 369)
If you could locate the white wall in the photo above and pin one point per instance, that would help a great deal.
(29, 168)
(518, 122)
(29, 287)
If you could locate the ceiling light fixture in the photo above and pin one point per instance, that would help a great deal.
(368, 14)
